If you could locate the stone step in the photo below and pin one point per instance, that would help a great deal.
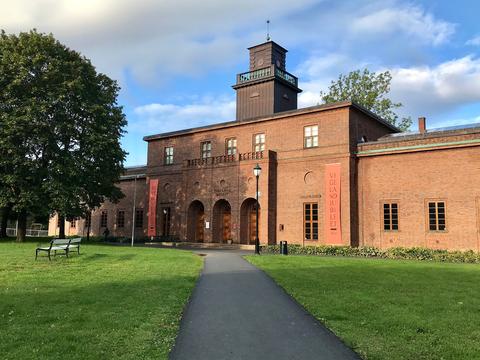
(192, 245)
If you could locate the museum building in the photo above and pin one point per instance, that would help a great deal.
(332, 174)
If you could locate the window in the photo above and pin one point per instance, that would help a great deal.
(390, 217)
(121, 218)
(103, 219)
(259, 142)
(206, 149)
(231, 145)
(168, 155)
(139, 218)
(73, 224)
(436, 216)
(310, 136)
(310, 220)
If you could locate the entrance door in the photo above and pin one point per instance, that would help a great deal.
(253, 226)
(166, 221)
(200, 226)
(227, 233)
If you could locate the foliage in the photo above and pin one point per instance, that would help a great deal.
(370, 90)
(60, 128)
(107, 303)
(415, 253)
(387, 309)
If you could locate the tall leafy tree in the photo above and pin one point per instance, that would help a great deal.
(370, 90)
(60, 129)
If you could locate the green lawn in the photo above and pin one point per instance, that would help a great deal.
(387, 309)
(108, 303)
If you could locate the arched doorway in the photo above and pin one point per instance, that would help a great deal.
(196, 222)
(221, 221)
(248, 221)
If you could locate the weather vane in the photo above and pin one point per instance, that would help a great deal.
(268, 30)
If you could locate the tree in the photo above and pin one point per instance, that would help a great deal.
(370, 90)
(60, 128)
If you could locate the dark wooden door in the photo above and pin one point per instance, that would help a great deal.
(253, 226)
(200, 227)
(227, 232)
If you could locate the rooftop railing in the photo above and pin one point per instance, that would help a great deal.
(266, 72)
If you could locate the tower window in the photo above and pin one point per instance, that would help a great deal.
(168, 155)
(310, 221)
(437, 216)
(231, 146)
(259, 142)
(310, 136)
(73, 224)
(390, 216)
(206, 149)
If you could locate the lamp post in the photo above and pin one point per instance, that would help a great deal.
(256, 171)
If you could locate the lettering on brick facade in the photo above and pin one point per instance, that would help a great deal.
(332, 204)
(222, 191)
(311, 196)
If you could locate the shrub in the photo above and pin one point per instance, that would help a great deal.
(415, 253)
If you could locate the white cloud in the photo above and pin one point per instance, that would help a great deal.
(475, 41)
(434, 91)
(410, 20)
(437, 89)
(159, 118)
(152, 39)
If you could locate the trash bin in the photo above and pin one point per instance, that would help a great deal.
(283, 248)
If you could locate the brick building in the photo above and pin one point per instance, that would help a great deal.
(331, 174)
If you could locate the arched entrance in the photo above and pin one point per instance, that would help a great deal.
(196, 222)
(248, 221)
(221, 222)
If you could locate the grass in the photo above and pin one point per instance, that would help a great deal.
(108, 303)
(387, 309)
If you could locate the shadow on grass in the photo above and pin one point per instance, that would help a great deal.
(128, 318)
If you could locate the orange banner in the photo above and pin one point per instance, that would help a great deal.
(333, 231)
(152, 208)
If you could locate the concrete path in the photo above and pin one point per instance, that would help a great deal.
(238, 312)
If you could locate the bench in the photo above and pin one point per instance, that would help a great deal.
(65, 245)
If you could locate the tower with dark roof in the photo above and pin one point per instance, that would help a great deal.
(267, 88)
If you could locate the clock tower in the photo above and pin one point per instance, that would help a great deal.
(267, 88)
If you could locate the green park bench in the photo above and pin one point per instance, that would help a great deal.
(65, 245)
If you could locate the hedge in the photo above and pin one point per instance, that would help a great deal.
(372, 252)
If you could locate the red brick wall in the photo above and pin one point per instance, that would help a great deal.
(411, 179)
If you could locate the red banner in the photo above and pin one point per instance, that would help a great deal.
(333, 231)
(152, 208)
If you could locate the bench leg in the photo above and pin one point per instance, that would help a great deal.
(49, 258)
(66, 252)
(36, 254)
(78, 250)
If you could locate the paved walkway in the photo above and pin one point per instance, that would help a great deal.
(238, 312)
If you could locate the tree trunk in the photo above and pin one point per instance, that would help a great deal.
(89, 225)
(61, 230)
(5, 213)
(22, 226)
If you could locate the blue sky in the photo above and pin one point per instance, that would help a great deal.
(176, 60)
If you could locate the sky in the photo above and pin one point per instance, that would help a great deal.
(177, 60)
